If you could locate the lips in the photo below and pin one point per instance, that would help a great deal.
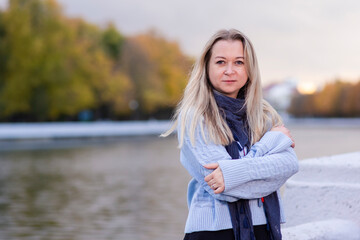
(228, 81)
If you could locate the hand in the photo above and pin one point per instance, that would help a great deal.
(285, 131)
(215, 179)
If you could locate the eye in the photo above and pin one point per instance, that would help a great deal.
(239, 62)
(220, 62)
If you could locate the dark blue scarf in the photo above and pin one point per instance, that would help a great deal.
(233, 111)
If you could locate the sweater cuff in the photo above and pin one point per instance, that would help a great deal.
(276, 136)
(234, 172)
(273, 141)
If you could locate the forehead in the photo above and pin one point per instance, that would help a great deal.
(228, 47)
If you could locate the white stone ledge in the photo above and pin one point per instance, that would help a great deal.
(345, 160)
(325, 188)
(323, 185)
(18, 131)
(334, 229)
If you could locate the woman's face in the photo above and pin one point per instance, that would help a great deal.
(226, 67)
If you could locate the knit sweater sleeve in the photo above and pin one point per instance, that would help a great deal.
(194, 157)
(264, 170)
(271, 149)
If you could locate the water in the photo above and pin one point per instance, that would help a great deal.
(131, 189)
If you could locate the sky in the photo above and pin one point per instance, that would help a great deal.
(311, 41)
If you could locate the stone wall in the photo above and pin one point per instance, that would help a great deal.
(322, 201)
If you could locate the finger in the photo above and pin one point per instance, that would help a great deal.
(217, 175)
(219, 190)
(211, 165)
(293, 141)
(211, 183)
(208, 177)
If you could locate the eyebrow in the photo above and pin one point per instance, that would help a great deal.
(225, 58)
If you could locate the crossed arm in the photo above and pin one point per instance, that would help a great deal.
(216, 179)
(270, 162)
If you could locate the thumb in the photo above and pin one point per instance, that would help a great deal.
(211, 165)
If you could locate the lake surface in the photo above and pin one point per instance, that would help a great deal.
(129, 188)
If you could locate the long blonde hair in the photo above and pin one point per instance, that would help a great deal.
(198, 105)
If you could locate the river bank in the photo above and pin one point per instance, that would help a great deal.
(313, 137)
(126, 187)
(59, 130)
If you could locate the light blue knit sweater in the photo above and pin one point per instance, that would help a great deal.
(267, 166)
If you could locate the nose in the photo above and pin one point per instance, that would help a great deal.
(229, 69)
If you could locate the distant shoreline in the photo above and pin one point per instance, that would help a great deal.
(101, 129)
(324, 122)
(69, 130)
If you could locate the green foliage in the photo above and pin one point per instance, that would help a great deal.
(2, 47)
(158, 70)
(112, 41)
(338, 99)
(53, 67)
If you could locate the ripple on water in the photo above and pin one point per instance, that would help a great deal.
(122, 190)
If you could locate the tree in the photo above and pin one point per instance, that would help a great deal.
(158, 70)
(337, 99)
(112, 41)
(54, 66)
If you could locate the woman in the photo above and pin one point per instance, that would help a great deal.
(237, 164)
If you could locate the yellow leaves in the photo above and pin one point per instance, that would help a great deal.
(66, 101)
(337, 99)
(166, 76)
(56, 66)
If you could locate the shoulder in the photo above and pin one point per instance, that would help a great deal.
(191, 127)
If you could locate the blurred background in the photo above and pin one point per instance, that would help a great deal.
(87, 86)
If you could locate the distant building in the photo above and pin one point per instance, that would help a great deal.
(279, 94)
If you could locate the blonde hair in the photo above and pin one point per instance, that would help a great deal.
(198, 105)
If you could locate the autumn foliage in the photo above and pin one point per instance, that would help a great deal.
(54, 68)
(337, 99)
